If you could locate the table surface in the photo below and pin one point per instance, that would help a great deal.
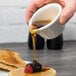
(64, 61)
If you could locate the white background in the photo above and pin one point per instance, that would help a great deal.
(13, 27)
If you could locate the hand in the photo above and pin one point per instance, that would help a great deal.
(69, 8)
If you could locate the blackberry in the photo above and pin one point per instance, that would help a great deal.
(37, 67)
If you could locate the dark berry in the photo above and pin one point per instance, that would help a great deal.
(37, 67)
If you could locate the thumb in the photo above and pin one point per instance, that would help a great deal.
(67, 13)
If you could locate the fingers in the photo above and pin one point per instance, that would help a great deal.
(68, 11)
(35, 4)
(28, 15)
(66, 15)
(69, 7)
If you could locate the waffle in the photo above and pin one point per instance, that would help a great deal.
(10, 59)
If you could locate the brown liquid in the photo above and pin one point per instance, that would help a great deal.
(39, 24)
(34, 30)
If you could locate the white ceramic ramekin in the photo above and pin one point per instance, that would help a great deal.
(49, 12)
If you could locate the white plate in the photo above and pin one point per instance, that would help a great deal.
(5, 73)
